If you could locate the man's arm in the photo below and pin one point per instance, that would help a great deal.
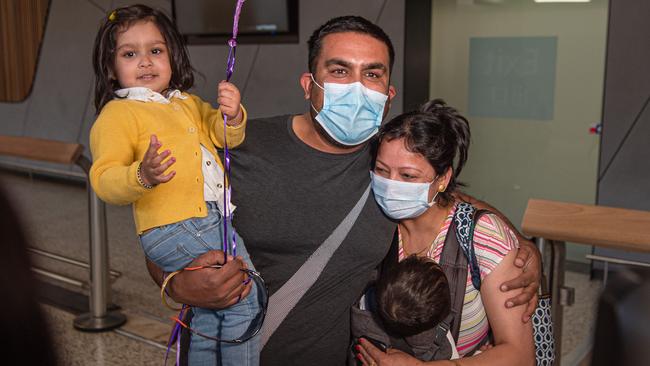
(528, 259)
(207, 288)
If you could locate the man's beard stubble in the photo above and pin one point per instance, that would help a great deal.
(322, 133)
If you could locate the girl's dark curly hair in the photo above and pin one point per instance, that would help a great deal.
(120, 20)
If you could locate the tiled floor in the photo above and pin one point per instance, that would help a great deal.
(55, 216)
(108, 348)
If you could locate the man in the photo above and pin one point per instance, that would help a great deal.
(295, 179)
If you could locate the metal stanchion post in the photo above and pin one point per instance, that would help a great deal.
(99, 318)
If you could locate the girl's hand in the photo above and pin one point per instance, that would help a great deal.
(229, 101)
(153, 167)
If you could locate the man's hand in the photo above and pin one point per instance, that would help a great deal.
(154, 165)
(208, 288)
(529, 260)
(229, 100)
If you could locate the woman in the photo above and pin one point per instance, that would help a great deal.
(415, 181)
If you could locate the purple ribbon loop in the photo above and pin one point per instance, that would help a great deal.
(175, 337)
(230, 68)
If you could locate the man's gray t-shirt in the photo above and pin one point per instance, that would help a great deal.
(289, 198)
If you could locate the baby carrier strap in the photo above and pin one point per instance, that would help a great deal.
(454, 264)
(392, 258)
(433, 344)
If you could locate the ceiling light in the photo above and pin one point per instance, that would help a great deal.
(562, 1)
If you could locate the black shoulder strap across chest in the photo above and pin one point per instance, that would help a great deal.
(392, 258)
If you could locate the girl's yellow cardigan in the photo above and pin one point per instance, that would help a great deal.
(120, 137)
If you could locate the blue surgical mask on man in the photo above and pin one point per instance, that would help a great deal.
(351, 113)
(401, 200)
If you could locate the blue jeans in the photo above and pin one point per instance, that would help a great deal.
(173, 247)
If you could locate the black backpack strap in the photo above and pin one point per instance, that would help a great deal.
(464, 230)
(464, 222)
(476, 269)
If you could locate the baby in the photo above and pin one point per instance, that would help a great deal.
(408, 309)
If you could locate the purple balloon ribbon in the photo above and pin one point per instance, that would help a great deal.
(230, 67)
(175, 337)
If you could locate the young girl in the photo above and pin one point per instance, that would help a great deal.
(142, 73)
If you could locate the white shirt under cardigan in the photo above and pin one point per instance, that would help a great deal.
(213, 175)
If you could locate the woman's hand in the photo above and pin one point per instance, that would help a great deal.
(154, 165)
(207, 288)
(229, 100)
(370, 355)
(529, 260)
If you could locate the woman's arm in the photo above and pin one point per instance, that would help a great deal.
(528, 259)
(513, 340)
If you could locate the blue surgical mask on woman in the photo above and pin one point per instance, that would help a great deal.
(351, 113)
(401, 200)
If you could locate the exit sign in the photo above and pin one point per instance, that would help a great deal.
(512, 77)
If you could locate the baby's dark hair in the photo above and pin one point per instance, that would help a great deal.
(413, 296)
(119, 20)
(437, 132)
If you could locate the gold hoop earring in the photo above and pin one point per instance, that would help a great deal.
(441, 188)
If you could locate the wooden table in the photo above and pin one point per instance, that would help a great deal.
(553, 223)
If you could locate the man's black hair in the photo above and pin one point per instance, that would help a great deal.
(348, 23)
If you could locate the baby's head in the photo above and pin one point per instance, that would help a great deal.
(137, 46)
(413, 296)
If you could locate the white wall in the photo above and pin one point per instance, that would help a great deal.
(512, 160)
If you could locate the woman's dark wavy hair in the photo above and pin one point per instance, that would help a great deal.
(104, 50)
(437, 132)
